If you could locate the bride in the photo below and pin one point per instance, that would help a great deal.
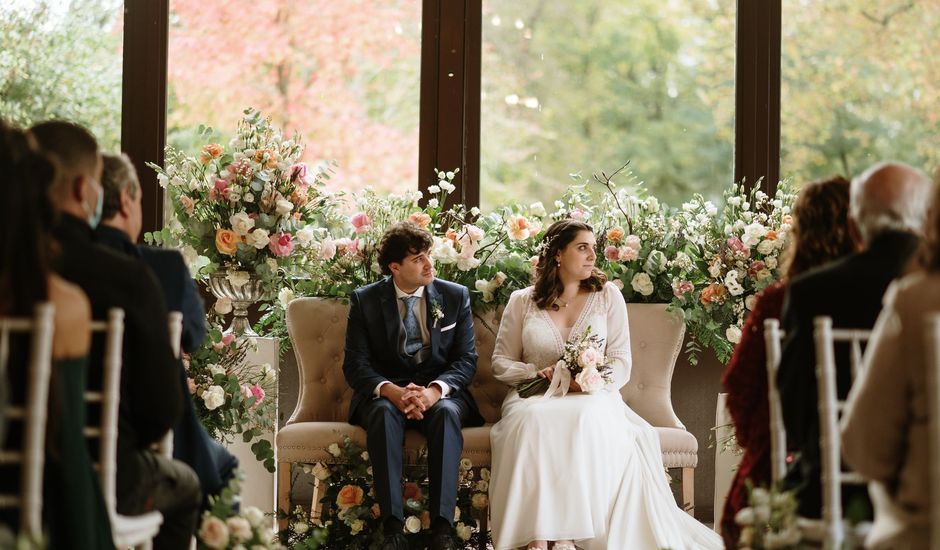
(576, 467)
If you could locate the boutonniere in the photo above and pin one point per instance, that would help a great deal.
(437, 312)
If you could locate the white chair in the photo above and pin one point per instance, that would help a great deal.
(830, 406)
(932, 347)
(773, 338)
(127, 531)
(34, 412)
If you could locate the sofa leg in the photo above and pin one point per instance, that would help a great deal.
(283, 493)
(688, 490)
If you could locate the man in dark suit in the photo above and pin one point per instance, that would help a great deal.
(151, 399)
(121, 220)
(410, 357)
(888, 206)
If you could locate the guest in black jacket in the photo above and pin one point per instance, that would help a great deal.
(120, 226)
(151, 400)
(888, 205)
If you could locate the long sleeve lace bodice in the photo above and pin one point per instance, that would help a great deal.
(528, 340)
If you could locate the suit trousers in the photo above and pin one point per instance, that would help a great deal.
(385, 427)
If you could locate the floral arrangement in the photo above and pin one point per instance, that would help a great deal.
(740, 248)
(233, 398)
(222, 528)
(246, 207)
(350, 513)
(769, 521)
(583, 360)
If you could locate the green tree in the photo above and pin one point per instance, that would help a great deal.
(63, 61)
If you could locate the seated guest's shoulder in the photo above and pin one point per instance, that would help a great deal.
(160, 255)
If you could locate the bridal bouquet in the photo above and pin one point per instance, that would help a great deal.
(583, 360)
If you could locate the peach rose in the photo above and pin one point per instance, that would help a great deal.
(771, 235)
(713, 293)
(376, 510)
(615, 234)
(189, 205)
(299, 196)
(209, 152)
(518, 228)
(420, 218)
(226, 241)
(214, 532)
(349, 496)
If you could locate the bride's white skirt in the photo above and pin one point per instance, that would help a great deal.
(584, 467)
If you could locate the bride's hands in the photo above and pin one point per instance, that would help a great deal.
(546, 373)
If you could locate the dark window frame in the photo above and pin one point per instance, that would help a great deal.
(449, 134)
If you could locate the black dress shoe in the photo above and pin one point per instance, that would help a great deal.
(395, 542)
(442, 541)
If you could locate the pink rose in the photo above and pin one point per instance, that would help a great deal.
(299, 172)
(258, 393)
(534, 261)
(361, 222)
(612, 253)
(738, 247)
(281, 244)
(755, 267)
(632, 241)
(191, 384)
(590, 380)
(214, 532)
(628, 254)
(327, 250)
(227, 339)
(221, 189)
(589, 358)
(681, 288)
(576, 214)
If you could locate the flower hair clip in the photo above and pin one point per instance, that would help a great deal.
(543, 247)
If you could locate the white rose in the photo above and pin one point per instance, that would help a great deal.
(463, 531)
(466, 263)
(766, 247)
(216, 369)
(301, 527)
(750, 301)
(356, 526)
(214, 397)
(285, 296)
(485, 474)
(321, 471)
(590, 380)
(642, 283)
(733, 334)
(267, 372)
(443, 251)
(538, 209)
(482, 486)
(475, 211)
(752, 234)
(771, 262)
(213, 532)
(745, 516)
(483, 286)
(433, 203)
(327, 250)
(334, 450)
(223, 306)
(249, 197)
(259, 238)
(254, 515)
(412, 524)
(239, 528)
(238, 278)
(305, 236)
(465, 464)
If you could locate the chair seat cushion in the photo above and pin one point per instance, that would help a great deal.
(680, 448)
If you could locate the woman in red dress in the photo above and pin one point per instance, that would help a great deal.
(819, 234)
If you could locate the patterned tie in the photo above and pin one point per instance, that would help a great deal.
(413, 341)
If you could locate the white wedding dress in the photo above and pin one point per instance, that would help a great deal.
(583, 466)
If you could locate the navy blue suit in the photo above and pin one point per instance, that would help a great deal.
(373, 355)
(212, 462)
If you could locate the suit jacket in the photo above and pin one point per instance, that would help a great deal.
(373, 354)
(151, 399)
(850, 291)
(884, 428)
(179, 289)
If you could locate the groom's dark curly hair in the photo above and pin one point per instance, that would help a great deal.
(547, 286)
(400, 240)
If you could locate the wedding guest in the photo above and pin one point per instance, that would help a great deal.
(819, 233)
(887, 206)
(150, 391)
(410, 356)
(121, 221)
(74, 510)
(884, 428)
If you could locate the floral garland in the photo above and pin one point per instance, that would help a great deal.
(350, 513)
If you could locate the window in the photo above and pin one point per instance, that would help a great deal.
(62, 59)
(580, 87)
(347, 80)
(860, 84)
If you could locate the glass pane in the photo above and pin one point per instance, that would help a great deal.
(861, 84)
(584, 86)
(63, 59)
(347, 80)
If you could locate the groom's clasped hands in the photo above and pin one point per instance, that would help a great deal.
(412, 400)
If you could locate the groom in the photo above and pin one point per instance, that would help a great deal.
(410, 356)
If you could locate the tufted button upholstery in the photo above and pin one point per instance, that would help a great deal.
(317, 329)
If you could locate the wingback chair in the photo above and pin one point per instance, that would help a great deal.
(317, 329)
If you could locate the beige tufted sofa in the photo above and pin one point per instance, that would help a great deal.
(317, 328)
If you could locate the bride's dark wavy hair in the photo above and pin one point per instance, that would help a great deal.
(547, 285)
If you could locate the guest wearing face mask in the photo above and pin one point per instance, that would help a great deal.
(150, 390)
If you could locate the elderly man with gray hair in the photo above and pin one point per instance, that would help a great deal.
(888, 206)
